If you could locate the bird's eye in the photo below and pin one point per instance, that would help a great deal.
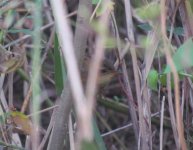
(12, 55)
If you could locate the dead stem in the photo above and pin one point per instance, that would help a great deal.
(179, 119)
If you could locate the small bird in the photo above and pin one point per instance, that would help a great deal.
(10, 61)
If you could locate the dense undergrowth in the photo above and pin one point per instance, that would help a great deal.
(93, 74)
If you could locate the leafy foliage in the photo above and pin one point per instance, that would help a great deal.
(183, 57)
(94, 2)
(152, 79)
(59, 68)
(148, 12)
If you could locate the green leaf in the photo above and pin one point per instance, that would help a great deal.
(10, 18)
(148, 27)
(97, 136)
(10, 146)
(177, 30)
(4, 116)
(87, 145)
(2, 35)
(183, 57)
(110, 43)
(102, 10)
(97, 143)
(152, 79)
(191, 4)
(163, 79)
(184, 74)
(59, 68)
(148, 12)
(94, 2)
(26, 31)
(145, 27)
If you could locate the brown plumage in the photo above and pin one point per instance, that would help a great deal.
(10, 61)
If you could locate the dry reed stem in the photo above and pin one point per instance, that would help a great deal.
(171, 110)
(142, 137)
(66, 43)
(179, 119)
(94, 69)
(96, 62)
(59, 131)
(126, 81)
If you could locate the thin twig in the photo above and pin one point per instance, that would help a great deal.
(95, 10)
(171, 111)
(124, 127)
(126, 81)
(42, 111)
(10, 85)
(71, 133)
(29, 93)
(48, 13)
(47, 132)
(161, 123)
(41, 29)
(130, 35)
(103, 121)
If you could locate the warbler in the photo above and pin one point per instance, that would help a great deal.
(10, 61)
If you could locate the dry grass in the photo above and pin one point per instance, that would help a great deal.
(78, 75)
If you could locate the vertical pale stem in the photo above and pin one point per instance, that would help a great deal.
(36, 73)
